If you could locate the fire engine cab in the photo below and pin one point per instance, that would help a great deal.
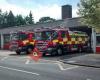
(59, 40)
(22, 41)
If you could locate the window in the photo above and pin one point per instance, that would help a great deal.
(38, 35)
(33, 37)
(55, 35)
(98, 40)
(63, 34)
(73, 36)
(45, 35)
(22, 36)
(6, 38)
(14, 36)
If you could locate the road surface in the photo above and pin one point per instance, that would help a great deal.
(24, 68)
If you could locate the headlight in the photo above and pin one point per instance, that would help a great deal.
(49, 49)
(20, 48)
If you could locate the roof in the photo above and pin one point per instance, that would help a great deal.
(69, 22)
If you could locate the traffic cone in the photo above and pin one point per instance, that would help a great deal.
(35, 55)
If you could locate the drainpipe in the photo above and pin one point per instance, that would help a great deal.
(2, 41)
(93, 42)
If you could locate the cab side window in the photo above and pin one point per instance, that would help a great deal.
(55, 35)
(23, 36)
(63, 34)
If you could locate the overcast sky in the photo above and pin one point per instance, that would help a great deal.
(39, 8)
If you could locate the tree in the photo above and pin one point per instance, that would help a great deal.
(7, 19)
(89, 10)
(19, 20)
(4, 19)
(29, 19)
(11, 19)
(46, 19)
(0, 18)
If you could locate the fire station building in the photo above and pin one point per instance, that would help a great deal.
(66, 21)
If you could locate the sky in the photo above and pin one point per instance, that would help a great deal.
(39, 8)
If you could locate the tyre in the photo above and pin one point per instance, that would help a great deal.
(18, 52)
(80, 50)
(29, 50)
(54, 53)
(44, 54)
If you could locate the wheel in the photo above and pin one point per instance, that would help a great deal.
(18, 52)
(44, 54)
(80, 50)
(29, 50)
(59, 51)
(54, 53)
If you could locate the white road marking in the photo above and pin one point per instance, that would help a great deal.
(88, 79)
(41, 63)
(18, 70)
(4, 58)
(54, 62)
(27, 62)
(26, 57)
(49, 60)
(61, 67)
(71, 68)
(71, 61)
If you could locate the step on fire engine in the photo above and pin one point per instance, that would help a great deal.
(22, 41)
(60, 40)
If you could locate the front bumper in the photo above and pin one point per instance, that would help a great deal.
(49, 50)
(21, 49)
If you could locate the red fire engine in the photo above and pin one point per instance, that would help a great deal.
(22, 41)
(59, 40)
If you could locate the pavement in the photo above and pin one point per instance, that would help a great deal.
(88, 60)
(6, 52)
(22, 67)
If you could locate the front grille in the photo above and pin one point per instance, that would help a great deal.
(41, 46)
(13, 45)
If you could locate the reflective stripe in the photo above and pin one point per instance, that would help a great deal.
(83, 41)
(65, 39)
(61, 42)
(69, 42)
(25, 41)
(72, 39)
(32, 43)
(86, 39)
(73, 42)
(76, 42)
(79, 39)
(54, 41)
(80, 42)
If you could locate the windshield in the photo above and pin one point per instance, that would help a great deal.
(45, 35)
(42, 35)
(20, 36)
(14, 36)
